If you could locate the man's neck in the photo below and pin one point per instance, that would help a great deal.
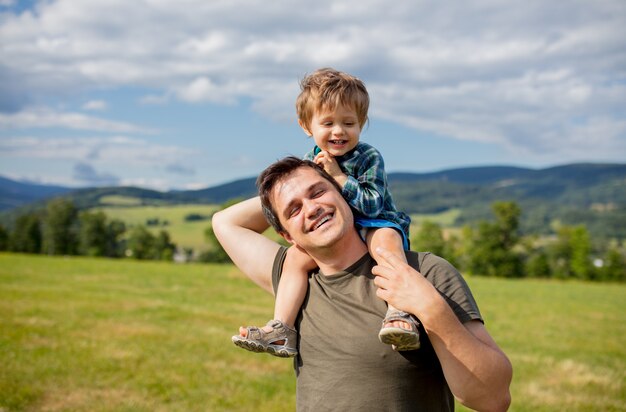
(340, 256)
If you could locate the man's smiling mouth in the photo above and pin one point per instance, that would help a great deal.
(320, 221)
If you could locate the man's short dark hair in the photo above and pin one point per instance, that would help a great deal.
(273, 174)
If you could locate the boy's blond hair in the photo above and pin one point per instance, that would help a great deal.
(326, 89)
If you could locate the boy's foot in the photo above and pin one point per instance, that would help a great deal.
(400, 338)
(275, 338)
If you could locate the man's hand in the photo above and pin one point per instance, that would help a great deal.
(402, 286)
(478, 372)
(330, 165)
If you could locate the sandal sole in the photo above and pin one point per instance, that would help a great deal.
(253, 346)
(402, 339)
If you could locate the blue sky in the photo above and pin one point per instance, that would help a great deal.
(191, 94)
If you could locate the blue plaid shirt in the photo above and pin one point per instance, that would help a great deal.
(366, 190)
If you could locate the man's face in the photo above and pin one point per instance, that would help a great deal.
(312, 211)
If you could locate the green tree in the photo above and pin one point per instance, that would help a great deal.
(538, 265)
(163, 248)
(92, 235)
(570, 253)
(429, 238)
(60, 234)
(26, 235)
(614, 265)
(492, 252)
(4, 238)
(115, 244)
(141, 243)
(581, 250)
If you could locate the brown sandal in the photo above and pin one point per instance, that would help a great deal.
(401, 339)
(257, 340)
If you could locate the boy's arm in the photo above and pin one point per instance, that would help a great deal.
(365, 190)
(239, 230)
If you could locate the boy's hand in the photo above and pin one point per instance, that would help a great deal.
(329, 163)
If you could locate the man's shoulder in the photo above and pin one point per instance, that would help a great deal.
(424, 261)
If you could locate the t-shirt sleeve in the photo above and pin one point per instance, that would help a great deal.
(451, 285)
(277, 268)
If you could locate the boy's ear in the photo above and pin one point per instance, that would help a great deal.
(305, 128)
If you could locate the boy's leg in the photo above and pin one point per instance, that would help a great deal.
(289, 298)
(293, 285)
(401, 330)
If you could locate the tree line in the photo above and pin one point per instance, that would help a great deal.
(61, 229)
(496, 248)
(488, 248)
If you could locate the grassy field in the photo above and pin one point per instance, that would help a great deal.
(82, 334)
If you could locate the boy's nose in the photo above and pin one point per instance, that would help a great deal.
(337, 130)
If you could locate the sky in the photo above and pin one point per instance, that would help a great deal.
(196, 93)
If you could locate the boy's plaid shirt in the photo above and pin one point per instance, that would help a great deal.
(366, 189)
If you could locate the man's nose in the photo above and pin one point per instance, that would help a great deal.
(311, 208)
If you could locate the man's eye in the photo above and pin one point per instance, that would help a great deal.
(318, 193)
(294, 211)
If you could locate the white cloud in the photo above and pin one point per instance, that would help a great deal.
(95, 105)
(117, 150)
(515, 74)
(49, 118)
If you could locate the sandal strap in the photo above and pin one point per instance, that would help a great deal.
(402, 316)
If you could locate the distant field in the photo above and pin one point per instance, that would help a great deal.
(191, 233)
(172, 219)
(81, 334)
(445, 219)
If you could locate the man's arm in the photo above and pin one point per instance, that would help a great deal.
(239, 230)
(478, 372)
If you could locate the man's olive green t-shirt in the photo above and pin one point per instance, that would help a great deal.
(342, 366)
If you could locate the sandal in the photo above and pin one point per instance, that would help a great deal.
(257, 340)
(401, 339)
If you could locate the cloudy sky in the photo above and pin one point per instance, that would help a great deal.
(194, 93)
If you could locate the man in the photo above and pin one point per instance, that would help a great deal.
(341, 365)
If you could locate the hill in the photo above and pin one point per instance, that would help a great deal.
(593, 194)
(14, 193)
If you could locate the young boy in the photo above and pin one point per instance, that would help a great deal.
(332, 108)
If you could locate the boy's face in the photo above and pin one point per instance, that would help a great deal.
(335, 131)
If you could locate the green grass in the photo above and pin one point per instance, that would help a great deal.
(183, 233)
(79, 334)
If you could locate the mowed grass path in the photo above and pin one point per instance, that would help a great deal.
(80, 334)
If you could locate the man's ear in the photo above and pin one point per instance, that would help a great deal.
(287, 237)
(305, 128)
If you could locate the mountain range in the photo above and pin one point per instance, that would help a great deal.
(590, 193)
